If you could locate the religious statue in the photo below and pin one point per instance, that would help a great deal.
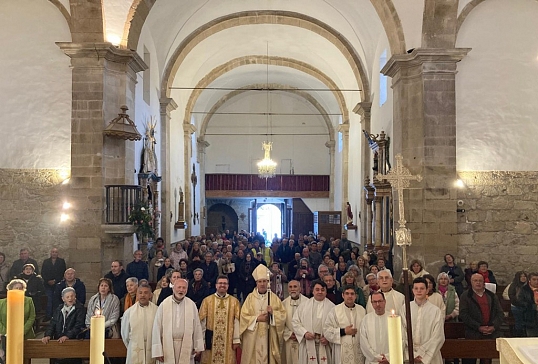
(149, 157)
(349, 214)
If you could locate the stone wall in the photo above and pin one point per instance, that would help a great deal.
(500, 222)
(31, 204)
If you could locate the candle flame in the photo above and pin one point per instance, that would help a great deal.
(97, 312)
(392, 312)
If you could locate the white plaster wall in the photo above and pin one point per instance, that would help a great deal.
(411, 13)
(317, 204)
(35, 86)
(115, 13)
(496, 88)
(176, 171)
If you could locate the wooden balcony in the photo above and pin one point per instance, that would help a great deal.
(120, 199)
(250, 185)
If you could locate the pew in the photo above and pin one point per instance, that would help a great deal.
(35, 349)
(466, 348)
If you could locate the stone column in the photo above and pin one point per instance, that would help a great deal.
(363, 109)
(369, 214)
(331, 144)
(167, 205)
(103, 79)
(344, 129)
(425, 133)
(188, 130)
(202, 145)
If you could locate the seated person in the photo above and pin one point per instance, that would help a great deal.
(34, 284)
(107, 304)
(67, 322)
(29, 310)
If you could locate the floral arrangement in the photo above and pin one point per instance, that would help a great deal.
(142, 218)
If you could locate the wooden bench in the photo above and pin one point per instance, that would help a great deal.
(35, 349)
(466, 348)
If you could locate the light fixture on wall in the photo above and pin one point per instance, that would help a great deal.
(122, 127)
(267, 167)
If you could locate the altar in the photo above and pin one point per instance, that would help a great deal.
(518, 350)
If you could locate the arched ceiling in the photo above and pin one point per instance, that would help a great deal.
(335, 39)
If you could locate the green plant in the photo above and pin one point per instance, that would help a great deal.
(142, 218)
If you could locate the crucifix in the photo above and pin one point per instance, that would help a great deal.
(399, 178)
(194, 180)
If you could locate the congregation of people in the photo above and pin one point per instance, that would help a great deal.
(235, 298)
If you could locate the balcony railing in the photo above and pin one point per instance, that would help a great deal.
(120, 199)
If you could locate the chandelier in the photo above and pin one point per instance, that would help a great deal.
(267, 167)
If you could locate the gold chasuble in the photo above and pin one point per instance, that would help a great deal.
(221, 315)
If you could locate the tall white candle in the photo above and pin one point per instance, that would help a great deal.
(395, 339)
(97, 339)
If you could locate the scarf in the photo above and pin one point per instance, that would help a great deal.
(443, 290)
(129, 301)
(485, 275)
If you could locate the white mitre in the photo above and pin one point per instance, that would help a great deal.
(261, 272)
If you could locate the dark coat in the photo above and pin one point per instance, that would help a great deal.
(54, 271)
(456, 273)
(118, 283)
(138, 270)
(471, 315)
(79, 287)
(526, 299)
(74, 323)
(211, 272)
(198, 295)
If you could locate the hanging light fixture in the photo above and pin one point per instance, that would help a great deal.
(122, 127)
(267, 167)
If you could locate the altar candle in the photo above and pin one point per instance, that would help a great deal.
(395, 339)
(97, 338)
(15, 326)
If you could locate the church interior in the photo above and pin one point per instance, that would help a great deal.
(339, 87)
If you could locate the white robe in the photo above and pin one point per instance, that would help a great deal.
(395, 301)
(177, 331)
(346, 349)
(291, 347)
(136, 330)
(374, 334)
(305, 320)
(428, 331)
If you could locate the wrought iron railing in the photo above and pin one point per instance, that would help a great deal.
(120, 199)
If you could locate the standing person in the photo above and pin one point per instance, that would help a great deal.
(278, 278)
(159, 245)
(177, 332)
(118, 277)
(305, 275)
(455, 273)
(291, 345)
(138, 268)
(52, 272)
(67, 322)
(24, 258)
(246, 281)
(528, 298)
(198, 288)
(219, 316)
(427, 322)
(4, 272)
(308, 326)
(333, 293)
(395, 300)
(168, 291)
(262, 312)
(177, 254)
(70, 280)
(517, 307)
(211, 271)
(374, 332)
(137, 326)
(341, 328)
(450, 297)
(481, 312)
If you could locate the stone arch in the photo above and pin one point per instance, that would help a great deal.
(391, 23)
(265, 17)
(439, 24)
(466, 10)
(64, 12)
(222, 213)
(309, 98)
(277, 61)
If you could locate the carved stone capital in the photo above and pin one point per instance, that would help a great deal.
(363, 109)
(189, 129)
(167, 105)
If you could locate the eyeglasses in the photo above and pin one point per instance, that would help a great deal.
(377, 302)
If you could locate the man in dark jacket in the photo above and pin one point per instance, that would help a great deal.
(528, 297)
(52, 272)
(16, 267)
(118, 276)
(481, 312)
(137, 268)
(69, 280)
(211, 271)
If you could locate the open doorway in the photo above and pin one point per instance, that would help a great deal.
(269, 222)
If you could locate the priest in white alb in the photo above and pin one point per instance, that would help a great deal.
(177, 333)
(262, 322)
(395, 300)
(428, 323)
(308, 322)
(374, 332)
(137, 326)
(291, 345)
(219, 316)
(341, 328)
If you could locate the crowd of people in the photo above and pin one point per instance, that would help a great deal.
(307, 300)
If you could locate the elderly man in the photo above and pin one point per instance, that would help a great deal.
(395, 300)
(262, 312)
(481, 312)
(219, 316)
(69, 280)
(308, 323)
(137, 326)
(52, 272)
(24, 258)
(374, 332)
(341, 328)
(138, 268)
(177, 332)
(333, 293)
(291, 345)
